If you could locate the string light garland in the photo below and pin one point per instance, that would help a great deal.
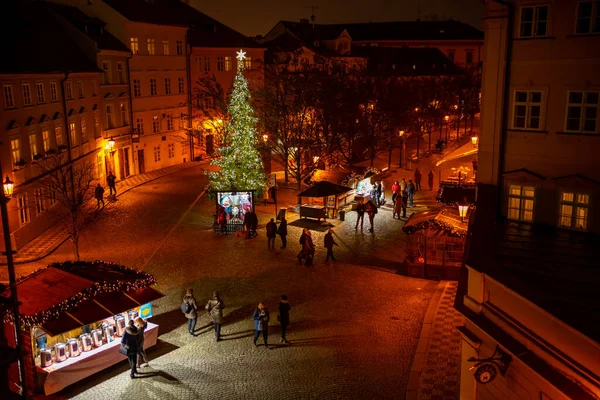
(354, 177)
(434, 223)
(140, 280)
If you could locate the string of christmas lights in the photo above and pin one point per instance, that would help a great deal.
(434, 223)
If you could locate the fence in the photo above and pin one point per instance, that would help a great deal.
(434, 249)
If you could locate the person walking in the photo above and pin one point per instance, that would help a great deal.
(284, 317)
(110, 181)
(360, 214)
(271, 234)
(99, 195)
(378, 191)
(215, 308)
(253, 224)
(282, 232)
(130, 342)
(309, 248)
(302, 239)
(261, 324)
(395, 191)
(371, 211)
(190, 308)
(329, 242)
(430, 180)
(397, 207)
(404, 203)
(410, 190)
(141, 325)
(417, 180)
(402, 185)
(382, 197)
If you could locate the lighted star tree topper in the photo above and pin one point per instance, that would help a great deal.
(239, 161)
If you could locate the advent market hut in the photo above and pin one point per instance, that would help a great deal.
(72, 316)
(323, 200)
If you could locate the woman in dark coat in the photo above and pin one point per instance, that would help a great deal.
(130, 342)
(141, 324)
(282, 232)
(308, 248)
(261, 324)
(284, 316)
(192, 316)
(215, 308)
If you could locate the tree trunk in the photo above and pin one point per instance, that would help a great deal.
(390, 158)
(286, 167)
(76, 246)
(418, 140)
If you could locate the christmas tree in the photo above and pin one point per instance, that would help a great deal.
(239, 160)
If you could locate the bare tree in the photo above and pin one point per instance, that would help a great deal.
(70, 186)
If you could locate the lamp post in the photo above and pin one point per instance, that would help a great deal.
(7, 191)
(475, 141)
(447, 119)
(463, 207)
(402, 148)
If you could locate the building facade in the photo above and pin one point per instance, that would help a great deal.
(531, 266)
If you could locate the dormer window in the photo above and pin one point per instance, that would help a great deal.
(316, 43)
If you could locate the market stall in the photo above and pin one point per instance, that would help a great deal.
(73, 315)
(323, 200)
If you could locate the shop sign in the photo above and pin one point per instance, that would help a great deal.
(146, 310)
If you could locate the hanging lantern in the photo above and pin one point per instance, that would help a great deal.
(9, 187)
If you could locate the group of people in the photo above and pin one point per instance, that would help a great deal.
(133, 343)
(378, 193)
(99, 190)
(215, 307)
(370, 209)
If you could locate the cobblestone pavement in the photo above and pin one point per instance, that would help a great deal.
(355, 323)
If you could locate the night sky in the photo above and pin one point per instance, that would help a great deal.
(257, 17)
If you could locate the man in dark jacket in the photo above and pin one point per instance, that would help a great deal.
(301, 241)
(371, 209)
(130, 342)
(282, 232)
(110, 181)
(410, 190)
(251, 221)
(215, 308)
(360, 214)
(404, 203)
(271, 234)
(329, 243)
(99, 195)
(284, 317)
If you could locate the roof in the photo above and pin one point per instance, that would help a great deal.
(92, 27)
(406, 61)
(444, 221)
(555, 269)
(207, 31)
(463, 151)
(378, 31)
(43, 45)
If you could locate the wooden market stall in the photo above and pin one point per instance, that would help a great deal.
(72, 316)
(324, 200)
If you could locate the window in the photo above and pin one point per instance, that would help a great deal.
(167, 85)
(33, 150)
(26, 94)
(15, 148)
(534, 21)
(135, 45)
(220, 63)
(180, 47)
(180, 85)
(527, 110)
(588, 17)
(171, 149)
(169, 119)
(451, 54)
(206, 63)
(106, 73)
(96, 125)
(23, 206)
(40, 201)
(582, 112)
(155, 124)
(137, 88)
(73, 133)
(84, 134)
(58, 136)
(123, 110)
(41, 97)
(151, 46)
(520, 202)
(573, 210)
(110, 119)
(94, 88)
(9, 101)
(46, 140)
(227, 63)
(80, 89)
(120, 73)
(469, 57)
(152, 87)
(165, 47)
(157, 154)
(139, 125)
(53, 92)
(197, 63)
(248, 63)
(68, 90)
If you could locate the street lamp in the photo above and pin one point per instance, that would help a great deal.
(8, 188)
(265, 138)
(402, 150)
(463, 207)
(475, 141)
(447, 119)
(111, 143)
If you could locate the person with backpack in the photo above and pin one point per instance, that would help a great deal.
(189, 307)
(271, 234)
(215, 308)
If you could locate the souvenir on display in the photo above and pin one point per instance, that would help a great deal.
(97, 337)
(46, 357)
(73, 346)
(60, 351)
(120, 325)
(86, 342)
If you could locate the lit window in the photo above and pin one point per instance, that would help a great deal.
(137, 88)
(15, 148)
(53, 92)
(26, 94)
(73, 133)
(33, 145)
(227, 63)
(41, 97)
(573, 210)
(58, 137)
(206, 63)
(151, 46)
(157, 154)
(582, 112)
(106, 74)
(527, 111)
(171, 149)
(180, 85)
(84, 135)
(121, 73)
(588, 17)
(40, 200)
(520, 202)
(165, 47)
(68, 90)
(534, 21)
(155, 124)
(9, 101)
(46, 140)
(180, 47)
(80, 88)
(153, 91)
(167, 85)
(220, 63)
(23, 207)
(248, 63)
(135, 45)
(139, 125)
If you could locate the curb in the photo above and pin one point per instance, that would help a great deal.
(412, 390)
(56, 246)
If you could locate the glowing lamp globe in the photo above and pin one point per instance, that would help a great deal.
(475, 140)
(9, 186)
(463, 207)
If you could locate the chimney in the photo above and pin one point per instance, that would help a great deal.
(304, 20)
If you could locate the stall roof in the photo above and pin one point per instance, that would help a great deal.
(324, 188)
(446, 220)
(463, 151)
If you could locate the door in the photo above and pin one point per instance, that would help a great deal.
(126, 162)
(141, 162)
